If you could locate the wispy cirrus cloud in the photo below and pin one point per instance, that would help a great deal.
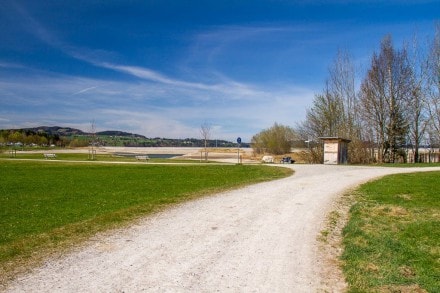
(148, 101)
(31, 25)
(225, 86)
(219, 36)
(84, 90)
(151, 75)
(140, 107)
(8, 65)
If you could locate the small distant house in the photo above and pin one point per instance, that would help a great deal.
(335, 150)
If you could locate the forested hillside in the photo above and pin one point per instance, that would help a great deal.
(71, 137)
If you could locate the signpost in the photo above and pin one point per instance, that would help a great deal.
(238, 154)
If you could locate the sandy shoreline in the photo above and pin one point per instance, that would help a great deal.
(142, 150)
(226, 155)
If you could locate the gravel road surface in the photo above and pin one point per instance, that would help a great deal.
(261, 238)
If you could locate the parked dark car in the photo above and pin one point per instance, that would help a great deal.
(287, 160)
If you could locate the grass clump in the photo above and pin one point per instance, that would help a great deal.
(392, 239)
(48, 205)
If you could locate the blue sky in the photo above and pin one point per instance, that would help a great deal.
(161, 68)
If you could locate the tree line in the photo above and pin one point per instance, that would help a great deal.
(392, 108)
(28, 137)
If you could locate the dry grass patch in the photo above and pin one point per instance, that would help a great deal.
(391, 240)
(413, 288)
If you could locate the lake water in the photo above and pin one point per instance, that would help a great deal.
(151, 156)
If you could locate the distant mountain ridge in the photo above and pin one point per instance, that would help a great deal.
(119, 133)
(67, 136)
(68, 131)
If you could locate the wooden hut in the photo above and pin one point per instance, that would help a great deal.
(335, 150)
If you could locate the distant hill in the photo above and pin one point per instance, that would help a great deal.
(120, 133)
(67, 136)
(52, 130)
(68, 131)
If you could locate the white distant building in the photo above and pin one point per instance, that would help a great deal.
(267, 159)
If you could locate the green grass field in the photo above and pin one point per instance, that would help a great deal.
(392, 241)
(410, 165)
(98, 157)
(47, 205)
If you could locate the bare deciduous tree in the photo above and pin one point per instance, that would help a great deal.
(205, 132)
(433, 87)
(416, 105)
(325, 116)
(342, 86)
(397, 104)
(382, 99)
(93, 139)
(334, 112)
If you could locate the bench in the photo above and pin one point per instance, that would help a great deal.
(49, 156)
(142, 158)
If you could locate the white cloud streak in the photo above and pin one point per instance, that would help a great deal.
(152, 103)
(138, 107)
(84, 90)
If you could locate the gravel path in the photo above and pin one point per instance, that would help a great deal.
(260, 238)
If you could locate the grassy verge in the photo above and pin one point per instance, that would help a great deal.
(98, 157)
(392, 238)
(48, 205)
(410, 165)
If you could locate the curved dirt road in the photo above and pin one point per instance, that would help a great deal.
(260, 238)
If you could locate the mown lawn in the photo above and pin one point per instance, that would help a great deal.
(409, 165)
(47, 205)
(392, 241)
(97, 157)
